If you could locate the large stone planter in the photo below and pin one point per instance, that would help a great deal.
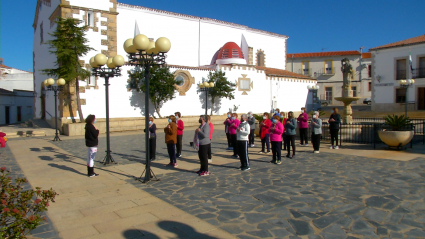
(396, 138)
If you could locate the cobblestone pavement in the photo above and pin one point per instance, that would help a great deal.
(324, 195)
(46, 229)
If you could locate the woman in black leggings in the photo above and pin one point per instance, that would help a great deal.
(334, 122)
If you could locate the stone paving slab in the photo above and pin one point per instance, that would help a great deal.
(334, 194)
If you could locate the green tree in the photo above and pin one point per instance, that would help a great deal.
(222, 87)
(69, 44)
(161, 85)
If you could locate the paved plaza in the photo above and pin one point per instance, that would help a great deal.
(354, 192)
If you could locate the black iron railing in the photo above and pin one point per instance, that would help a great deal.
(419, 73)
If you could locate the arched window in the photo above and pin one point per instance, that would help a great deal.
(260, 58)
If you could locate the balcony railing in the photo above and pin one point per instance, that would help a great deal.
(306, 71)
(419, 73)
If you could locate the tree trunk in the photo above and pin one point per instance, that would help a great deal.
(77, 92)
(69, 100)
(157, 111)
(212, 105)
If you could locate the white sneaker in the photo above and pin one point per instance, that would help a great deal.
(305, 144)
(331, 147)
(209, 160)
(252, 145)
(316, 152)
(336, 147)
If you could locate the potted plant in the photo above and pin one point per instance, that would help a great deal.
(401, 132)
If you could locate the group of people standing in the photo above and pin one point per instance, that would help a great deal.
(278, 131)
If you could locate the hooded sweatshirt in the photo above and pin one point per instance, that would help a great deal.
(243, 133)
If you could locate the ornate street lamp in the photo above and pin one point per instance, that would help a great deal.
(405, 85)
(313, 89)
(49, 83)
(205, 86)
(114, 64)
(145, 53)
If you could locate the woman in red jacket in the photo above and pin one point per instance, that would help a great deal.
(180, 128)
(264, 133)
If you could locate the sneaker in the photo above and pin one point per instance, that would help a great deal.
(273, 161)
(245, 168)
(93, 175)
(209, 160)
(204, 173)
(305, 144)
(261, 152)
(288, 156)
(332, 147)
(175, 165)
(252, 145)
(279, 162)
(178, 155)
(336, 147)
(268, 152)
(316, 152)
(170, 164)
(229, 148)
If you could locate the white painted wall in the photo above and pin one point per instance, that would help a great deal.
(18, 81)
(384, 65)
(23, 99)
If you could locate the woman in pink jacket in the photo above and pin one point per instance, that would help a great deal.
(275, 132)
(233, 125)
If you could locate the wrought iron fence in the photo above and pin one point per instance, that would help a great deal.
(366, 132)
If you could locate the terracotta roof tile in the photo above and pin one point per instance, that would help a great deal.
(410, 41)
(321, 54)
(366, 55)
(280, 72)
(4, 66)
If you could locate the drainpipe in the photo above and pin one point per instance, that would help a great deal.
(292, 63)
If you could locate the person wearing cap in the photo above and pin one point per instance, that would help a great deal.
(180, 128)
(226, 129)
(316, 131)
(290, 126)
(251, 122)
(171, 139)
(204, 143)
(242, 142)
(303, 127)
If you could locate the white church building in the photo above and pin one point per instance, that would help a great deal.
(255, 60)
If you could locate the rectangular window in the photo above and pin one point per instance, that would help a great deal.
(244, 84)
(328, 67)
(421, 72)
(90, 19)
(400, 95)
(401, 69)
(354, 89)
(328, 93)
(305, 69)
(369, 71)
(370, 86)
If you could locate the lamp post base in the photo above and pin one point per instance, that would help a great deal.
(144, 179)
(57, 138)
(108, 158)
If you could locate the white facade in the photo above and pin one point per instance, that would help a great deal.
(385, 77)
(325, 67)
(16, 106)
(16, 79)
(195, 41)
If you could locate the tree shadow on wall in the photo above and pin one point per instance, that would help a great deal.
(216, 106)
(137, 100)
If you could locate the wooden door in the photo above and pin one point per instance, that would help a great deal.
(421, 98)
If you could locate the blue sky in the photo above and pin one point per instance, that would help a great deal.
(312, 25)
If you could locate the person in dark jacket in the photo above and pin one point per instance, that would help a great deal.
(204, 142)
(290, 131)
(334, 122)
(92, 141)
(251, 122)
(152, 139)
